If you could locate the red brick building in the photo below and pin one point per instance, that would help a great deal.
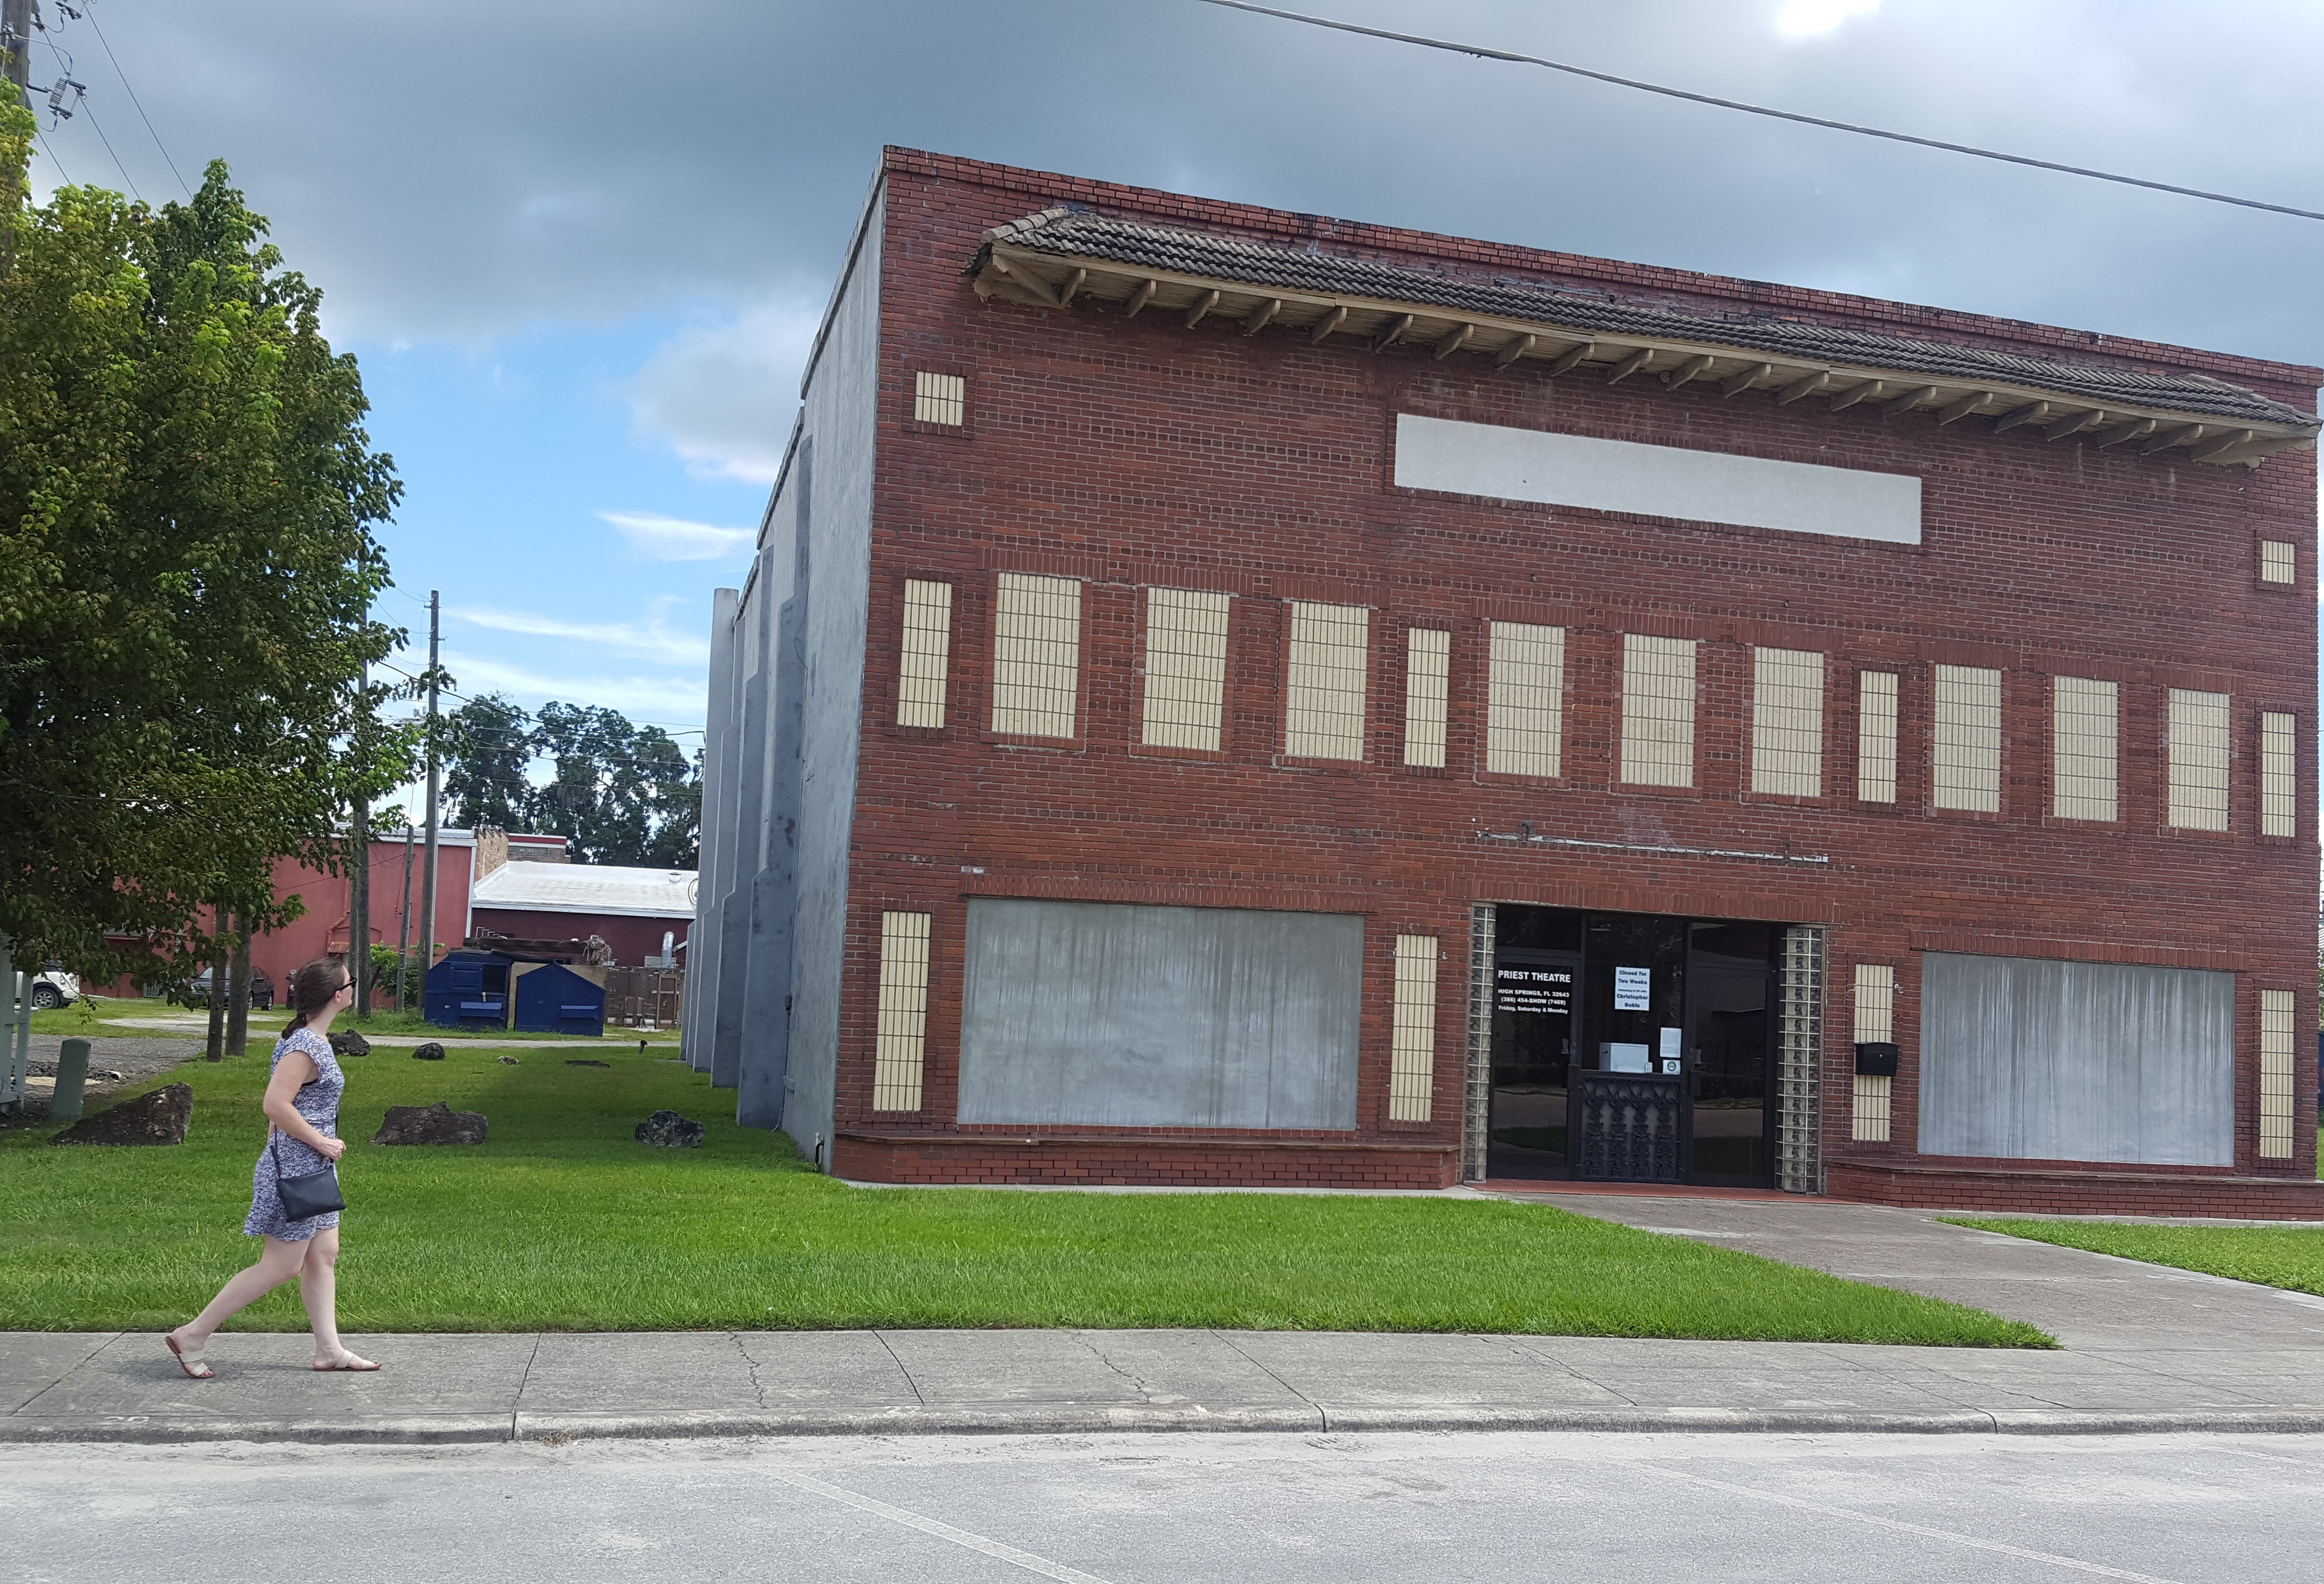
(1231, 696)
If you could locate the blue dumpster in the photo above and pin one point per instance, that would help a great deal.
(552, 999)
(468, 991)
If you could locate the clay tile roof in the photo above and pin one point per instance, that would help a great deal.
(1071, 232)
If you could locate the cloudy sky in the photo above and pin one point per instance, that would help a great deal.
(579, 247)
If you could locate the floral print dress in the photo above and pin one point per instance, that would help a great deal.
(319, 1102)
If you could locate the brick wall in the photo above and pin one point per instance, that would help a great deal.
(1131, 454)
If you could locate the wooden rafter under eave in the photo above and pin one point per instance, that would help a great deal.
(1058, 284)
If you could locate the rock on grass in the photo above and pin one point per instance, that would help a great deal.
(430, 1124)
(158, 1118)
(670, 1130)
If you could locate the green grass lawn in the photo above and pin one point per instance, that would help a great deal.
(93, 1018)
(2274, 1257)
(562, 1221)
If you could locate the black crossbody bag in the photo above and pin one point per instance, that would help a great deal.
(309, 1194)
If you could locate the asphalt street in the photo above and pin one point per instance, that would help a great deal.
(1142, 1509)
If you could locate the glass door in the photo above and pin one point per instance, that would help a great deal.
(1730, 1039)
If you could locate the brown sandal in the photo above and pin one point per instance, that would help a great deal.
(192, 1363)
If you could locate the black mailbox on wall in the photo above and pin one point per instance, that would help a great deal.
(1875, 1059)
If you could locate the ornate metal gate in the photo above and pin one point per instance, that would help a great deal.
(1633, 1127)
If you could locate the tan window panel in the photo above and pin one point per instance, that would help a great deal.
(1657, 710)
(926, 654)
(1185, 669)
(1525, 700)
(1427, 681)
(1323, 713)
(1037, 639)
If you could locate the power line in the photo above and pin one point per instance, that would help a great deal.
(108, 149)
(131, 92)
(1482, 52)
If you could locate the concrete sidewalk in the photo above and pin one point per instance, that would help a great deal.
(2146, 1349)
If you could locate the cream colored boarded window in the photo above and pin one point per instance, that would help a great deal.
(1412, 1058)
(2278, 562)
(1186, 668)
(927, 653)
(2276, 1051)
(1965, 771)
(2279, 774)
(900, 1042)
(1787, 723)
(2199, 753)
(1657, 710)
(1876, 736)
(2082, 741)
(1037, 656)
(1323, 713)
(1525, 699)
(1876, 1024)
(1427, 681)
(939, 398)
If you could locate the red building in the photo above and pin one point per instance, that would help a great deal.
(642, 915)
(1232, 696)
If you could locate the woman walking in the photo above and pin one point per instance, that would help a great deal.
(303, 1105)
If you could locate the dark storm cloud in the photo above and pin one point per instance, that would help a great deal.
(458, 170)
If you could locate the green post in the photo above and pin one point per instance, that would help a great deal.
(72, 1074)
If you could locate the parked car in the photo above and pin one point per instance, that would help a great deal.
(261, 990)
(53, 988)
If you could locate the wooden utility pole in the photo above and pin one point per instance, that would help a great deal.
(403, 927)
(16, 38)
(359, 889)
(435, 786)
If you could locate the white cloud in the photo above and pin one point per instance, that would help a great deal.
(673, 539)
(668, 702)
(722, 393)
(1812, 19)
(650, 639)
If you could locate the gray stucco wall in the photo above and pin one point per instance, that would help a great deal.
(1116, 1015)
(2026, 1059)
(719, 747)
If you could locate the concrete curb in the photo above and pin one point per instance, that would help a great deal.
(557, 1429)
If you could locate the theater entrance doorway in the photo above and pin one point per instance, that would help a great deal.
(1632, 1047)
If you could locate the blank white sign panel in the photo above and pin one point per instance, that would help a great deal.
(1655, 481)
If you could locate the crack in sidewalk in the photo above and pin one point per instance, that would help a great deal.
(516, 1403)
(79, 1365)
(758, 1387)
(1322, 1419)
(882, 1337)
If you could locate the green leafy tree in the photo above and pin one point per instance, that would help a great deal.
(187, 568)
(487, 748)
(618, 793)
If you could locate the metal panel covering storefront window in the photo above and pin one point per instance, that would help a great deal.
(2030, 1058)
(1117, 1016)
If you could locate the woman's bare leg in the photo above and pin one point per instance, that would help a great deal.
(276, 1265)
(318, 1287)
